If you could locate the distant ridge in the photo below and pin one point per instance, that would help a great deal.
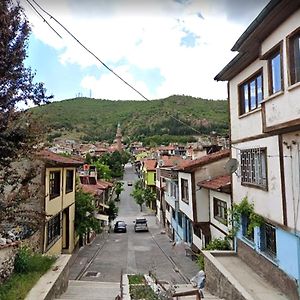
(96, 119)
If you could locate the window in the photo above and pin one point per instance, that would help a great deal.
(53, 229)
(173, 190)
(184, 190)
(69, 181)
(154, 177)
(253, 167)
(275, 72)
(54, 184)
(293, 44)
(167, 206)
(268, 240)
(251, 93)
(179, 215)
(173, 214)
(247, 232)
(220, 210)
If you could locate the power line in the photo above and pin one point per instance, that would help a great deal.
(96, 57)
(88, 50)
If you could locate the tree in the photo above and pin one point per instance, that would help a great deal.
(84, 214)
(119, 189)
(103, 171)
(18, 132)
(112, 210)
(138, 195)
(149, 196)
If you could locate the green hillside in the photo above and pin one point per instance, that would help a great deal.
(93, 119)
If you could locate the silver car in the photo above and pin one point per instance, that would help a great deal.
(140, 224)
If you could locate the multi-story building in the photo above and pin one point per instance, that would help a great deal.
(264, 93)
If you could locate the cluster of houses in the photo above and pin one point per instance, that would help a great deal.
(194, 197)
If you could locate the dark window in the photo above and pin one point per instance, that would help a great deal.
(173, 214)
(247, 232)
(53, 229)
(251, 93)
(275, 72)
(294, 56)
(173, 190)
(167, 207)
(54, 184)
(254, 167)
(220, 210)
(268, 240)
(179, 214)
(154, 177)
(70, 181)
(184, 190)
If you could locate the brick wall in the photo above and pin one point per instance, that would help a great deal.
(268, 270)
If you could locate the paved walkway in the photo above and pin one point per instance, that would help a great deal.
(257, 287)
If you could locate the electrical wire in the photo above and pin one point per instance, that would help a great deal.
(43, 19)
(88, 50)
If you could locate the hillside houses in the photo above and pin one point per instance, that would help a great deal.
(264, 91)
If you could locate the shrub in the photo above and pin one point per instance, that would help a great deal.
(218, 244)
(200, 261)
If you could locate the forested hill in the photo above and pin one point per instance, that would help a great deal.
(93, 119)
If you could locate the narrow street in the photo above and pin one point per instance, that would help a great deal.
(133, 252)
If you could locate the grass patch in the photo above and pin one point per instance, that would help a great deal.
(142, 292)
(136, 279)
(29, 267)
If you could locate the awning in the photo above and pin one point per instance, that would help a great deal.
(101, 217)
(104, 205)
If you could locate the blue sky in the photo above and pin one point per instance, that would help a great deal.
(161, 47)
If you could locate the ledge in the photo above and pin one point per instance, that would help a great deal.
(54, 282)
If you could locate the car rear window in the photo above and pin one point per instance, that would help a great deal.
(141, 221)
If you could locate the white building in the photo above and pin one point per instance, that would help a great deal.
(264, 100)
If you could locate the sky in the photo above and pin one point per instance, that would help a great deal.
(161, 47)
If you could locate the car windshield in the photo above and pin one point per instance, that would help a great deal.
(121, 223)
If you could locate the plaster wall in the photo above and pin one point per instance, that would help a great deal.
(186, 208)
(266, 203)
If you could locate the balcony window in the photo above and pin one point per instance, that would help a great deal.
(54, 184)
(69, 181)
(251, 93)
(268, 240)
(293, 44)
(254, 167)
(184, 190)
(179, 215)
(275, 73)
(220, 210)
(53, 229)
(247, 232)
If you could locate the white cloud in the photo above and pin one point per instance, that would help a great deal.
(145, 34)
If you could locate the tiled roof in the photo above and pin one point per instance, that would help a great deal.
(104, 184)
(217, 183)
(150, 164)
(93, 189)
(192, 164)
(172, 161)
(51, 157)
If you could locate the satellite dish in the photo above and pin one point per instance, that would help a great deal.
(232, 165)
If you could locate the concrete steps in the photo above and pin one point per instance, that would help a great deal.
(91, 290)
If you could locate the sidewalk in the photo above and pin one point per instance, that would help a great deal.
(85, 255)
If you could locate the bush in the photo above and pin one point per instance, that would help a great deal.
(26, 261)
(200, 261)
(218, 244)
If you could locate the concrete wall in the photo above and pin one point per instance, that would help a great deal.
(54, 283)
(268, 270)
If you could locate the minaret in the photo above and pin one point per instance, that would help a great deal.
(119, 138)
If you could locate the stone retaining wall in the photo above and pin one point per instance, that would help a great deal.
(7, 259)
(219, 281)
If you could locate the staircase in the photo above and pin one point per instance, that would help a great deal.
(91, 290)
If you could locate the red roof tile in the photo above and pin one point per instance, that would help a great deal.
(204, 160)
(217, 183)
(93, 189)
(58, 159)
(150, 164)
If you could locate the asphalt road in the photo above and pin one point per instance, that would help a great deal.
(134, 252)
